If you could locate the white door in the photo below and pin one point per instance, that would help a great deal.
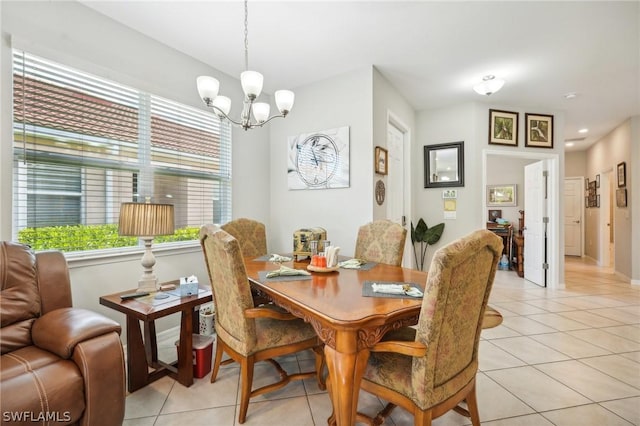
(395, 199)
(395, 177)
(534, 229)
(573, 202)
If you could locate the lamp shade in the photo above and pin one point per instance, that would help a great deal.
(208, 87)
(489, 85)
(251, 82)
(223, 104)
(284, 100)
(261, 111)
(146, 219)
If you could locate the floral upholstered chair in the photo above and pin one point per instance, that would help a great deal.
(381, 241)
(430, 369)
(246, 333)
(252, 237)
(250, 234)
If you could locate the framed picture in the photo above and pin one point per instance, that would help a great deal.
(450, 193)
(592, 196)
(502, 195)
(622, 174)
(381, 161)
(319, 160)
(494, 214)
(621, 197)
(503, 127)
(539, 130)
(597, 181)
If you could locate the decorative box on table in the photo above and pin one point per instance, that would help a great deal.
(302, 237)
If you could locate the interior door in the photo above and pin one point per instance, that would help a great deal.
(573, 201)
(395, 183)
(534, 229)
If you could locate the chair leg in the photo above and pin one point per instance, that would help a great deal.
(472, 406)
(422, 418)
(217, 360)
(246, 381)
(320, 363)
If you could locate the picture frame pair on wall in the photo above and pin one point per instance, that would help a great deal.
(503, 129)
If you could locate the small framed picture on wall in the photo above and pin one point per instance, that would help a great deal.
(381, 160)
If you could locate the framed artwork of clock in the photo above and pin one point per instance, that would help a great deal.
(319, 160)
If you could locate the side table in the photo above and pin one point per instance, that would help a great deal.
(143, 365)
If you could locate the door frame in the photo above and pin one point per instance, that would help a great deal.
(555, 244)
(395, 121)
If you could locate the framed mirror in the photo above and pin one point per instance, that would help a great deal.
(444, 165)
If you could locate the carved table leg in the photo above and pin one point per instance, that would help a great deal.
(346, 367)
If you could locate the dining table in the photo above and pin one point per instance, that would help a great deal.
(348, 322)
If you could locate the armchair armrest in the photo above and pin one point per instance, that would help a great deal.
(415, 349)
(59, 331)
(265, 312)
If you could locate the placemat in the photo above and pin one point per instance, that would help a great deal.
(365, 266)
(367, 291)
(264, 279)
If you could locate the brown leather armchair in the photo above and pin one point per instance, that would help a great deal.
(59, 365)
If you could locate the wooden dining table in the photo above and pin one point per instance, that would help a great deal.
(347, 322)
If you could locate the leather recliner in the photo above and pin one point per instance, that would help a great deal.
(58, 365)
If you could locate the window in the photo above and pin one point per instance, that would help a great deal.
(83, 145)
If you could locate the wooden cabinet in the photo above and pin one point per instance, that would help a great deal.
(518, 246)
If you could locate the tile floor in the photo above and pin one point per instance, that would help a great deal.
(565, 357)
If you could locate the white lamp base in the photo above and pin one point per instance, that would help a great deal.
(148, 281)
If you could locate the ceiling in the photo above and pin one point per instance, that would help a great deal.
(431, 52)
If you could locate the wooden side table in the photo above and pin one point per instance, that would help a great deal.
(143, 365)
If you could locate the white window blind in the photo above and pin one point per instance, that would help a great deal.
(83, 145)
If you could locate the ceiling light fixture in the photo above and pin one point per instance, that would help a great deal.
(583, 130)
(490, 84)
(252, 86)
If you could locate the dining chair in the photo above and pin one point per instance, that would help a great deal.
(431, 368)
(245, 333)
(251, 236)
(381, 241)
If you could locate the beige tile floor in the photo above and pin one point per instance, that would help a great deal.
(565, 357)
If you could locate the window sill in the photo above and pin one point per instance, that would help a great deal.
(103, 257)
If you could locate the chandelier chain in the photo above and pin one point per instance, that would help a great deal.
(246, 36)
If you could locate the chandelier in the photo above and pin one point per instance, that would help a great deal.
(252, 86)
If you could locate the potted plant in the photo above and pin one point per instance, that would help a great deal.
(425, 236)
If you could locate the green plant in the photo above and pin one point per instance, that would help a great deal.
(425, 236)
(91, 237)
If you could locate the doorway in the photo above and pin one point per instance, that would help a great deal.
(398, 192)
(555, 244)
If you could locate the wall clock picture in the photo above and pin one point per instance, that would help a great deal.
(319, 160)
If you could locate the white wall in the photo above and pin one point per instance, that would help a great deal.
(344, 100)
(470, 123)
(454, 124)
(604, 156)
(73, 34)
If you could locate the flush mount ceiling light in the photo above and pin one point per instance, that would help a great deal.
(252, 86)
(490, 84)
(583, 131)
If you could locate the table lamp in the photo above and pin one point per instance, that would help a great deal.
(146, 220)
